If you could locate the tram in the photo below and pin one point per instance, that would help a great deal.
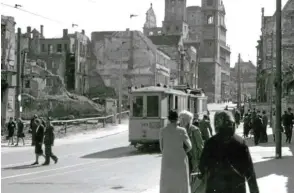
(149, 108)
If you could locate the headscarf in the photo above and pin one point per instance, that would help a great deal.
(224, 123)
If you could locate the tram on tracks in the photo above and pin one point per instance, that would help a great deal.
(149, 108)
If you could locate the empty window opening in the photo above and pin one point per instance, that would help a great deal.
(209, 2)
(151, 33)
(210, 19)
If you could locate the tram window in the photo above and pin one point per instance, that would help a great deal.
(189, 103)
(176, 102)
(152, 106)
(138, 106)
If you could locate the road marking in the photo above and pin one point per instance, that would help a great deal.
(55, 169)
(72, 171)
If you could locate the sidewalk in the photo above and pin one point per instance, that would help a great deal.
(74, 138)
(274, 175)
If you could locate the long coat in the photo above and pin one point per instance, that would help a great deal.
(49, 135)
(174, 176)
(228, 164)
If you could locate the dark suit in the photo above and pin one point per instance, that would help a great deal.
(39, 140)
(48, 141)
(227, 163)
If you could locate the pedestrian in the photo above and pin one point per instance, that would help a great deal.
(257, 128)
(174, 145)
(205, 128)
(246, 125)
(20, 132)
(226, 163)
(264, 127)
(48, 142)
(237, 117)
(185, 119)
(33, 128)
(39, 136)
(11, 127)
(289, 125)
(274, 125)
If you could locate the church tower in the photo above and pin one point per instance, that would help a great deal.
(214, 67)
(150, 25)
(175, 18)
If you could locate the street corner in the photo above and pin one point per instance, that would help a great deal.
(155, 189)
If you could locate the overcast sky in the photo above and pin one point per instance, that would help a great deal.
(243, 18)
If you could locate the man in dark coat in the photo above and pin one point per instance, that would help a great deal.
(257, 128)
(225, 161)
(48, 142)
(288, 124)
(205, 128)
(39, 136)
(33, 128)
(264, 127)
(237, 117)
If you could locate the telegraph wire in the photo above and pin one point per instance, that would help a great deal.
(17, 6)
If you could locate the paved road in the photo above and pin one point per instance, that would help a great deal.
(103, 165)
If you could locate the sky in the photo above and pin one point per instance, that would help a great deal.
(243, 18)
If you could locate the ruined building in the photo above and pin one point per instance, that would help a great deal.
(247, 79)
(8, 68)
(69, 57)
(266, 57)
(204, 29)
(133, 55)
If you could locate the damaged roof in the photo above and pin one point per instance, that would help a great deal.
(165, 39)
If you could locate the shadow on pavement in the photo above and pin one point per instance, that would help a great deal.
(118, 152)
(282, 167)
(21, 167)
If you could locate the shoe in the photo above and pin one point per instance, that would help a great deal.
(45, 164)
(35, 163)
(56, 160)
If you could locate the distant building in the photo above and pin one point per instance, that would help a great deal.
(67, 57)
(141, 62)
(266, 54)
(248, 80)
(8, 68)
(204, 29)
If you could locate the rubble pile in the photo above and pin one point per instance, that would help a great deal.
(56, 101)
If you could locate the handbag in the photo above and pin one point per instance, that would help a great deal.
(201, 188)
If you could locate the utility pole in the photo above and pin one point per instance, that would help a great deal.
(18, 76)
(181, 71)
(239, 82)
(120, 86)
(120, 89)
(278, 80)
(272, 82)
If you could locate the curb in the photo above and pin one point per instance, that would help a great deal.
(68, 141)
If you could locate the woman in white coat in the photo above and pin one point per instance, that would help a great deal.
(174, 145)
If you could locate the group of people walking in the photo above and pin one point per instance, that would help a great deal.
(257, 122)
(43, 133)
(196, 161)
(15, 126)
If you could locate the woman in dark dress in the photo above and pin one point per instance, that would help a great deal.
(20, 133)
(11, 126)
(39, 141)
(226, 163)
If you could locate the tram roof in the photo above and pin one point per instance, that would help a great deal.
(158, 89)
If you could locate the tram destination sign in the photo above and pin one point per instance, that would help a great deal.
(151, 124)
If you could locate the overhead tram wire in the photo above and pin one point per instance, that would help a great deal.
(16, 6)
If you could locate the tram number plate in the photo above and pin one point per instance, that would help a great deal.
(151, 125)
